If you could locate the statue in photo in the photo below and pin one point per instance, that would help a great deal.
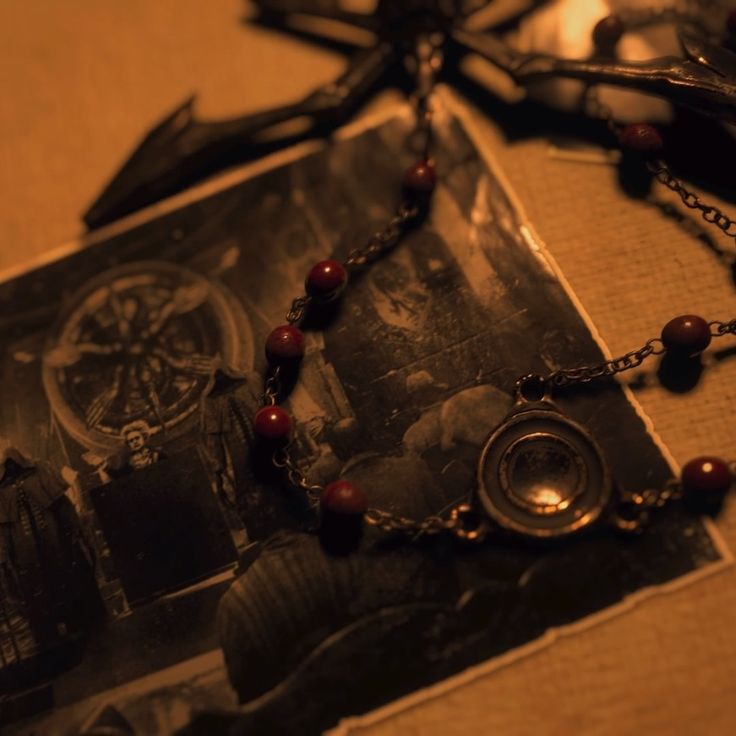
(47, 567)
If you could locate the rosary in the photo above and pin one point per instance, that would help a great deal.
(540, 474)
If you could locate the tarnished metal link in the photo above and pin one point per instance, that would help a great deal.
(633, 510)
(587, 373)
(388, 522)
(655, 498)
(298, 309)
(718, 329)
(463, 523)
(531, 387)
(468, 525)
(710, 213)
(384, 239)
(272, 387)
(283, 459)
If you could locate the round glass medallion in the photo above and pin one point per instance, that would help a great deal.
(541, 474)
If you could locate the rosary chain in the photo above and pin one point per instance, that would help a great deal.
(272, 387)
(659, 169)
(379, 243)
(690, 10)
(587, 373)
(463, 523)
(656, 498)
(718, 329)
(298, 309)
(709, 213)
(283, 459)
(384, 239)
(633, 509)
(388, 522)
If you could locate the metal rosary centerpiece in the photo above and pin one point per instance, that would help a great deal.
(540, 473)
(412, 43)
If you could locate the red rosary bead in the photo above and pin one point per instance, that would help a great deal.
(687, 334)
(421, 178)
(607, 32)
(284, 343)
(344, 499)
(326, 280)
(706, 476)
(640, 137)
(272, 423)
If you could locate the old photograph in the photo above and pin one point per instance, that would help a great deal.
(153, 571)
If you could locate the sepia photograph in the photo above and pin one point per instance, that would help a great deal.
(346, 421)
(148, 534)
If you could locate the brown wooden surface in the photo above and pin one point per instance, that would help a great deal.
(81, 81)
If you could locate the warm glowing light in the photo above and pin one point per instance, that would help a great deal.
(545, 496)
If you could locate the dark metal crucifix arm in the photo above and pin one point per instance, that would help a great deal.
(705, 81)
(182, 150)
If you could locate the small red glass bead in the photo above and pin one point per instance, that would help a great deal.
(607, 32)
(285, 342)
(706, 476)
(326, 280)
(421, 178)
(343, 498)
(640, 137)
(272, 423)
(731, 22)
(687, 334)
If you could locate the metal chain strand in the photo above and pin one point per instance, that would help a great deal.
(380, 242)
(283, 459)
(587, 373)
(429, 60)
(298, 309)
(655, 498)
(384, 239)
(718, 329)
(388, 522)
(709, 213)
(272, 388)
(633, 510)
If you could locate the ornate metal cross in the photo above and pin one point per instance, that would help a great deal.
(182, 150)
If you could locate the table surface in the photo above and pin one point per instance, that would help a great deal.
(82, 80)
